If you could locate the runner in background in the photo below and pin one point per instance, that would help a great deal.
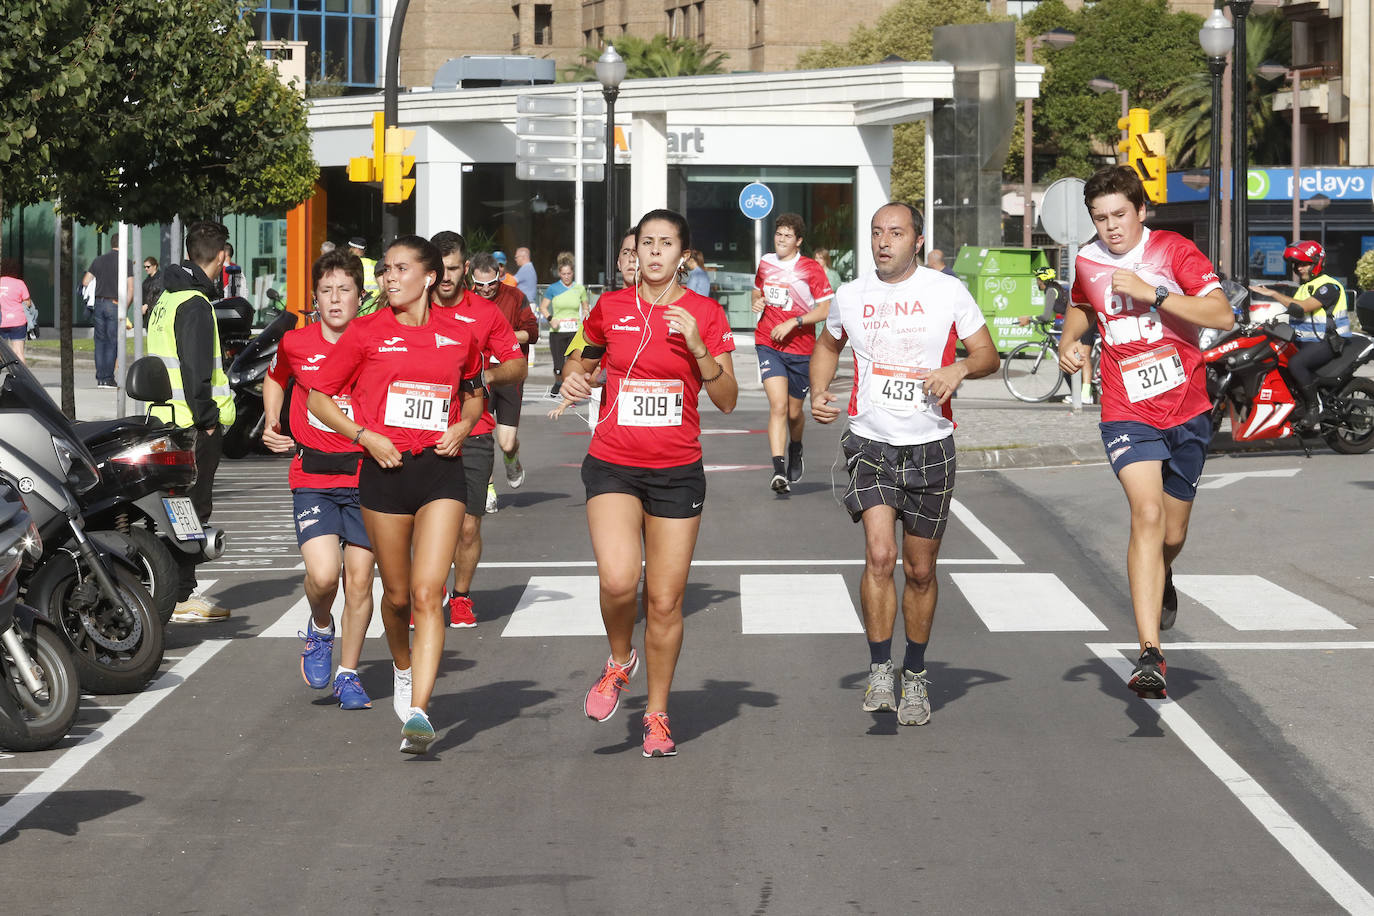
(1149, 292)
(324, 484)
(415, 376)
(660, 344)
(564, 306)
(792, 295)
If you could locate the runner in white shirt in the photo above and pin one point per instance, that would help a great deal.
(903, 321)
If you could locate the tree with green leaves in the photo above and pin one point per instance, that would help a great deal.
(904, 31)
(658, 56)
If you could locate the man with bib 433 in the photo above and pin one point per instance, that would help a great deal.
(1150, 293)
(903, 321)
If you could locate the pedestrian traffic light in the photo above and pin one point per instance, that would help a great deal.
(396, 187)
(369, 168)
(1143, 150)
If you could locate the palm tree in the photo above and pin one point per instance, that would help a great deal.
(659, 56)
(1185, 115)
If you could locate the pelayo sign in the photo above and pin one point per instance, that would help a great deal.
(1277, 184)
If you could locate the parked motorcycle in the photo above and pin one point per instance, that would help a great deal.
(92, 593)
(38, 681)
(245, 379)
(1247, 377)
(144, 463)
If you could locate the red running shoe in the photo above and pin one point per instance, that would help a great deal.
(604, 697)
(460, 615)
(658, 740)
(1147, 680)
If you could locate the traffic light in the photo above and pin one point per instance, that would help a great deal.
(396, 187)
(369, 168)
(1143, 150)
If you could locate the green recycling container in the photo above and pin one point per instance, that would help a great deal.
(1002, 282)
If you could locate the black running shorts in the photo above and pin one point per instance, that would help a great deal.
(505, 404)
(420, 479)
(677, 492)
(916, 480)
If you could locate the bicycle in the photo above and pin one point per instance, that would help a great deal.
(1031, 370)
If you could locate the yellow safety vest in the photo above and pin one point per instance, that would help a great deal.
(1313, 326)
(369, 275)
(162, 343)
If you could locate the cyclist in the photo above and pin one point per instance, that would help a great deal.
(1318, 314)
(660, 345)
(415, 376)
(324, 484)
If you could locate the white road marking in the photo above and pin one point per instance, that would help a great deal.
(1300, 844)
(295, 618)
(1025, 602)
(796, 604)
(1217, 481)
(1259, 646)
(1001, 553)
(1255, 603)
(558, 606)
(18, 805)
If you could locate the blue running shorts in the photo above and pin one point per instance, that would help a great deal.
(331, 511)
(1182, 448)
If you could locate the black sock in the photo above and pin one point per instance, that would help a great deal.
(457, 594)
(794, 450)
(915, 660)
(778, 466)
(879, 652)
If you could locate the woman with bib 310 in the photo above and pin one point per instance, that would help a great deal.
(414, 375)
(660, 345)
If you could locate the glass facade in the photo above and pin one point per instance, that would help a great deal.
(342, 36)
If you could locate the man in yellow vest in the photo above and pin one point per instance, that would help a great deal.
(182, 332)
(358, 245)
(1317, 312)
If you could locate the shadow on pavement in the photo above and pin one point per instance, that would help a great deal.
(256, 591)
(692, 712)
(1182, 682)
(481, 708)
(947, 685)
(523, 499)
(64, 812)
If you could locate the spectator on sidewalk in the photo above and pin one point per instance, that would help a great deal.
(104, 270)
(15, 302)
(525, 278)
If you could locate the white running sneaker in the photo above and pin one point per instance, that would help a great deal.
(400, 692)
(515, 471)
(491, 500)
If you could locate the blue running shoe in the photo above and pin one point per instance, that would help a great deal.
(417, 733)
(317, 660)
(348, 690)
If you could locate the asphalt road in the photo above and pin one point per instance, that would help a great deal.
(1041, 784)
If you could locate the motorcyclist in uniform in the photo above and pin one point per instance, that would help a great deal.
(1318, 314)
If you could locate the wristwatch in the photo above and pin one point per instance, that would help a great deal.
(1161, 293)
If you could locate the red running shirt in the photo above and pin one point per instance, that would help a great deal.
(300, 355)
(649, 416)
(492, 333)
(790, 290)
(1152, 370)
(400, 377)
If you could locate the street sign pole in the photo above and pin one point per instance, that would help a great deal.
(1066, 220)
(578, 200)
(391, 220)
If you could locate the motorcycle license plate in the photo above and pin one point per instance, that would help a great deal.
(182, 515)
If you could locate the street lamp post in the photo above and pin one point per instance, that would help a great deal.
(1295, 75)
(1240, 145)
(610, 71)
(1100, 85)
(1216, 37)
(1054, 38)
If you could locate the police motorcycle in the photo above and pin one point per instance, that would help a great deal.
(246, 372)
(144, 462)
(38, 683)
(91, 592)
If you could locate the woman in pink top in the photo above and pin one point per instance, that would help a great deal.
(14, 303)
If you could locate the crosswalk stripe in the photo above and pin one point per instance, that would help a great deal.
(781, 603)
(1255, 603)
(558, 606)
(294, 620)
(1025, 602)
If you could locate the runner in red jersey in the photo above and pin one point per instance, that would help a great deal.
(506, 369)
(1150, 293)
(414, 375)
(792, 295)
(660, 344)
(324, 484)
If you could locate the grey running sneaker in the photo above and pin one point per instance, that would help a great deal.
(779, 484)
(879, 696)
(915, 706)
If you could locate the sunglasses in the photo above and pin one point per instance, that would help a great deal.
(490, 284)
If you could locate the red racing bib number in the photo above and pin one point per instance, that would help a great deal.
(1151, 374)
(649, 402)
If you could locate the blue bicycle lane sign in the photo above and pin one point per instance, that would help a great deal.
(756, 200)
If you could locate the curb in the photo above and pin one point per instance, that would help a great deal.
(1036, 456)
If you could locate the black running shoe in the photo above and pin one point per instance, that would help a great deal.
(1147, 680)
(1170, 609)
(779, 484)
(795, 466)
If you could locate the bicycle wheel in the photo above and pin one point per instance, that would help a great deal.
(1031, 371)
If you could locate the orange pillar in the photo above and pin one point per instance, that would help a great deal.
(305, 231)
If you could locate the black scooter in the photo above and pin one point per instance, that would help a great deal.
(93, 594)
(246, 373)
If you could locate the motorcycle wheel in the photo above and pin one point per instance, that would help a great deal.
(160, 570)
(1353, 434)
(48, 717)
(125, 651)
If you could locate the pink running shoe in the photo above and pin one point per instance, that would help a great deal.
(460, 615)
(658, 740)
(604, 697)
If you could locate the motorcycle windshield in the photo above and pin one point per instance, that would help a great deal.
(20, 390)
(269, 337)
